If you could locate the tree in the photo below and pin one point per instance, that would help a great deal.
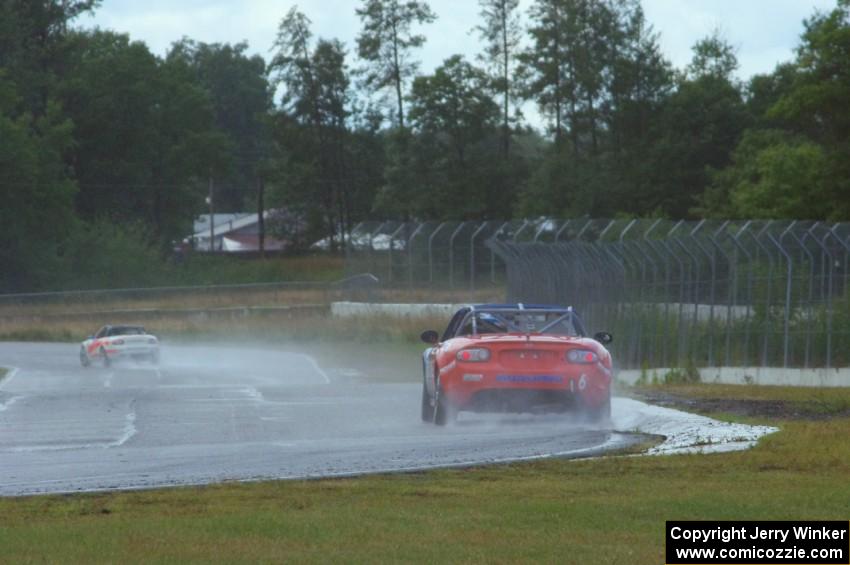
(596, 69)
(33, 46)
(241, 99)
(796, 165)
(36, 192)
(453, 104)
(453, 154)
(773, 175)
(314, 128)
(501, 31)
(714, 57)
(291, 67)
(697, 130)
(161, 142)
(569, 63)
(386, 43)
(544, 62)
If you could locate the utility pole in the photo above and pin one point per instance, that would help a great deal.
(261, 223)
(212, 214)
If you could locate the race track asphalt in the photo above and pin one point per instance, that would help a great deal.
(211, 414)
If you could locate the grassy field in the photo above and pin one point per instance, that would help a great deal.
(227, 312)
(595, 511)
(304, 328)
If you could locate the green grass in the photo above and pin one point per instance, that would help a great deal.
(595, 511)
(3, 372)
(792, 402)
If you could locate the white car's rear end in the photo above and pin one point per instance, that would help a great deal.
(120, 342)
(139, 347)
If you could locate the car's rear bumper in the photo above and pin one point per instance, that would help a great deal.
(139, 352)
(498, 390)
(521, 400)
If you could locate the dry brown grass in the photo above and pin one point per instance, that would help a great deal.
(303, 324)
(219, 311)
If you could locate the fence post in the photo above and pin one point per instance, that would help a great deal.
(583, 229)
(801, 241)
(520, 230)
(828, 254)
(540, 230)
(401, 226)
(452, 254)
(768, 299)
(472, 255)
(665, 325)
(731, 284)
(410, 253)
(372, 264)
(788, 282)
(711, 298)
(493, 254)
(431, 252)
(846, 246)
(560, 230)
(348, 248)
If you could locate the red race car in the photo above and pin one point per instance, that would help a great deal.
(515, 358)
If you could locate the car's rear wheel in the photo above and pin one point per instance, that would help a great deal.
(427, 408)
(105, 358)
(84, 358)
(444, 411)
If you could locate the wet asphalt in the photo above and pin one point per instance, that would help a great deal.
(212, 414)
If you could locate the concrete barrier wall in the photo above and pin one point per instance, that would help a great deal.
(351, 309)
(754, 375)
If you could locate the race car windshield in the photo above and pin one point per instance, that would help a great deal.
(127, 331)
(555, 322)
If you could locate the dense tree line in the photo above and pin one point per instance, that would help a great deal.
(100, 139)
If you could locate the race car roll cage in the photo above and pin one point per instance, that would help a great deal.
(567, 314)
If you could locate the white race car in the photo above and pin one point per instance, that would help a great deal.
(116, 342)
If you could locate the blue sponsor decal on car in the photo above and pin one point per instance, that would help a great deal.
(554, 379)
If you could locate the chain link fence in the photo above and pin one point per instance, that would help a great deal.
(675, 294)
(445, 255)
(708, 293)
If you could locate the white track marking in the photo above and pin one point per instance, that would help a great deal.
(5, 406)
(129, 430)
(253, 394)
(11, 375)
(316, 367)
(8, 378)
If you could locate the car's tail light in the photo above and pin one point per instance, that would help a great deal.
(474, 354)
(118, 342)
(583, 356)
(151, 340)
